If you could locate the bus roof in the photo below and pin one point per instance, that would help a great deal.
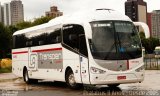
(80, 18)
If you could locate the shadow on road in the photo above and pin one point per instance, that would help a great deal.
(86, 88)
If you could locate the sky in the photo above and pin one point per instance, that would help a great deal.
(37, 8)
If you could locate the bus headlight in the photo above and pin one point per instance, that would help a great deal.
(140, 69)
(97, 71)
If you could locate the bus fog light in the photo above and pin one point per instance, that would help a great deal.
(97, 71)
(142, 75)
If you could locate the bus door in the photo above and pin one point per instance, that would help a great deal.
(83, 55)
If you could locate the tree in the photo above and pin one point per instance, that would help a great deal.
(12, 29)
(149, 43)
(6, 33)
(5, 41)
(142, 35)
(23, 25)
(41, 20)
(27, 24)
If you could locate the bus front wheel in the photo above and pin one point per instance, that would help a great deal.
(70, 80)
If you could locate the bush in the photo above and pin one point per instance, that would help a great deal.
(6, 70)
(5, 63)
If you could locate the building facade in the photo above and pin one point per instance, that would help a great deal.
(154, 23)
(149, 22)
(17, 14)
(54, 12)
(0, 12)
(6, 14)
(11, 13)
(136, 10)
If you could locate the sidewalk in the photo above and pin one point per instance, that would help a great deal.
(7, 76)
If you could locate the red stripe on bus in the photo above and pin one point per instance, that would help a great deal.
(45, 50)
(22, 52)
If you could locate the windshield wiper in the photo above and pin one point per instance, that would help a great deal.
(111, 48)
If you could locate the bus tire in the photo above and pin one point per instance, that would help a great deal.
(70, 80)
(113, 85)
(27, 79)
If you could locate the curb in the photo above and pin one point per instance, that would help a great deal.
(8, 77)
(6, 80)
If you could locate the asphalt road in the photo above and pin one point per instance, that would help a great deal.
(149, 87)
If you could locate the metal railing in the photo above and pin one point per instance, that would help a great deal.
(152, 62)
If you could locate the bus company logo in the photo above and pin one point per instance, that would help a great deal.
(50, 56)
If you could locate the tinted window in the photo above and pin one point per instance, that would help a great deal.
(72, 37)
(21, 41)
(83, 45)
(115, 40)
(54, 37)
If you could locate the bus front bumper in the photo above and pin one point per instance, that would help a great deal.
(103, 79)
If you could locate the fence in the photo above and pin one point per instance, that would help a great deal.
(152, 62)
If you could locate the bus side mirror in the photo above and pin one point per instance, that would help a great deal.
(145, 28)
(73, 37)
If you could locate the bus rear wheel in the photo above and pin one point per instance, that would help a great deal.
(70, 80)
(27, 79)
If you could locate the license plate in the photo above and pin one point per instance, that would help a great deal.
(121, 77)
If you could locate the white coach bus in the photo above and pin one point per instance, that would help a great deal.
(98, 47)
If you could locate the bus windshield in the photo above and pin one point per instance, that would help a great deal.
(115, 40)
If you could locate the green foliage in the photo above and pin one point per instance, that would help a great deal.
(149, 43)
(27, 24)
(41, 20)
(12, 29)
(7, 31)
(23, 25)
(142, 35)
(5, 41)
(6, 70)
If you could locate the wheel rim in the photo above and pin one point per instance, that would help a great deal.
(71, 80)
(26, 76)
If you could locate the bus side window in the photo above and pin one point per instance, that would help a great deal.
(39, 40)
(19, 41)
(73, 36)
(83, 45)
(70, 36)
(14, 42)
(28, 44)
(58, 39)
(54, 37)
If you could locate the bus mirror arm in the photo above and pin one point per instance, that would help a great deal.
(145, 28)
